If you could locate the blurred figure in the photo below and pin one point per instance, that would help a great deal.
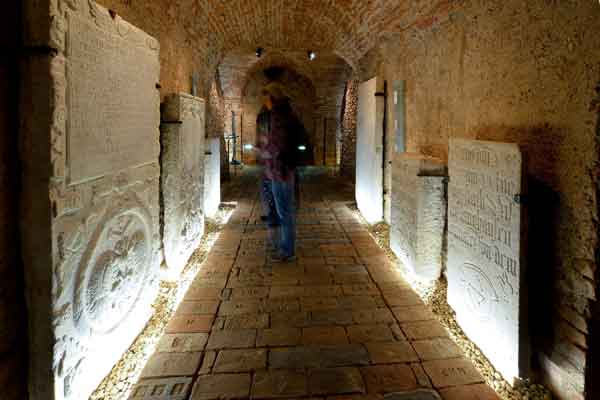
(263, 129)
(281, 159)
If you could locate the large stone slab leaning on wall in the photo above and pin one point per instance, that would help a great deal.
(212, 178)
(418, 213)
(182, 190)
(485, 268)
(90, 216)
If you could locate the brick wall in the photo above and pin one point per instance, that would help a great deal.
(348, 156)
(525, 73)
(13, 330)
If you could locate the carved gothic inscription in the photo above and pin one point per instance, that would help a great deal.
(111, 79)
(484, 248)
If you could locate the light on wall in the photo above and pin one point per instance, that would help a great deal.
(259, 52)
(312, 55)
(302, 147)
(248, 146)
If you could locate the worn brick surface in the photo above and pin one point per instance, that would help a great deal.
(452, 372)
(240, 360)
(222, 386)
(389, 378)
(335, 380)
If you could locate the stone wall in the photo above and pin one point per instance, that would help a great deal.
(505, 71)
(13, 337)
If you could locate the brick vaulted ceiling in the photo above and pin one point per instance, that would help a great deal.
(230, 30)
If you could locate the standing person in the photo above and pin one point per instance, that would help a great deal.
(281, 161)
(263, 129)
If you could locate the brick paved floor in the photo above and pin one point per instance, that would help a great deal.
(338, 323)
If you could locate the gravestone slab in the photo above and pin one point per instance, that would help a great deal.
(418, 214)
(90, 217)
(485, 244)
(182, 178)
(212, 178)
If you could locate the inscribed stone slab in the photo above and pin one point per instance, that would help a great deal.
(484, 250)
(90, 140)
(418, 214)
(212, 177)
(182, 161)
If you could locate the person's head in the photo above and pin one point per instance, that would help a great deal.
(273, 94)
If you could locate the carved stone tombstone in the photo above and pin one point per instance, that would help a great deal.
(418, 214)
(90, 216)
(182, 161)
(212, 178)
(485, 269)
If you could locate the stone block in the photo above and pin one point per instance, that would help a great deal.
(232, 339)
(391, 352)
(182, 177)
(278, 337)
(424, 330)
(212, 177)
(421, 394)
(190, 324)
(182, 342)
(324, 335)
(436, 349)
(471, 392)
(452, 372)
(244, 360)
(485, 240)
(418, 214)
(389, 378)
(369, 333)
(90, 192)
(335, 381)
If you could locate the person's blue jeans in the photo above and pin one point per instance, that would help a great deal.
(268, 202)
(283, 194)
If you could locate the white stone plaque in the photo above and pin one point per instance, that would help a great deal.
(485, 267)
(182, 160)
(418, 211)
(369, 154)
(212, 178)
(91, 240)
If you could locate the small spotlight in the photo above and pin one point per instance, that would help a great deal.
(302, 147)
(312, 55)
(248, 146)
(259, 52)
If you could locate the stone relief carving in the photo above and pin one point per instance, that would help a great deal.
(113, 272)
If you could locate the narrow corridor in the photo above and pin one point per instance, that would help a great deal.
(338, 321)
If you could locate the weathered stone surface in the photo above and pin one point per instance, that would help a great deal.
(212, 177)
(190, 324)
(414, 395)
(424, 330)
(472, 392)
(418, 214)
(162, 389)
(182, 177)
(222, 386)
(91, 245)
(369, 151)
(237, 339)
(324, 335)
(278, 337)
(369, 333)
(436, 349)
(484, 250)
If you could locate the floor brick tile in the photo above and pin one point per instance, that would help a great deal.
(422, 378)
(373, 316)
(391, 352)
(452, 372)
(389, 378)
(331, 317)
(245, 360)
(182, 342)
(295, 357)
(279, 337)
(469, 392)
(402, 298)
(290, 319)
(234, 339)
(276, 384)
(343, 355)
(250, 293)
(246, 321)
(198, 307)
(360, 290)
(413, 313)
(436, 349)
(324, 335)
(335, 381)
(223, 386)
(424, 330)
(202, 293)
(190, 324)
(172, 364)
(319, 303)
(177, 388)
(369, 333)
